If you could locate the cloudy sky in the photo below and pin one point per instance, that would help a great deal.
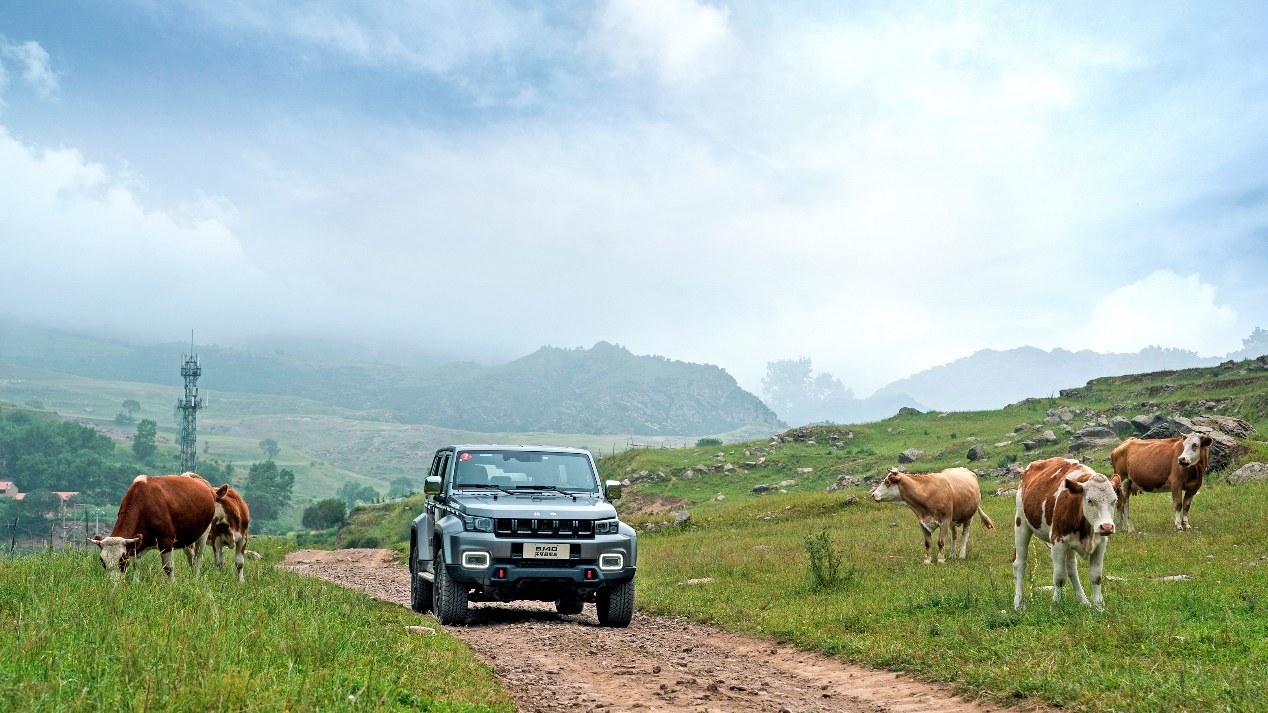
(882, 187)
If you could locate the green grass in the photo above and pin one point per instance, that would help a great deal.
(72, 639)
(1198, 645)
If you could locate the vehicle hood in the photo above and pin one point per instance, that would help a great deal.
(534, 505)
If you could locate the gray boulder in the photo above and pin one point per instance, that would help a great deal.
(1120, 426)
(759, 489)
(1048, 437)
(1030, 445)
(910, 455)
(977, 452)
(1143, 423)
(1092, 437)
(1021, 427)
(681, 517)
(1249, 473)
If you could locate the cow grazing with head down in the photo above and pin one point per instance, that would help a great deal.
(167, 512)
(941, 501)
(1174, 464)
(1071, 507)
(229, 527)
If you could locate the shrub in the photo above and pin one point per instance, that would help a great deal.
(825, 560)
(325, 514)
(706, 442)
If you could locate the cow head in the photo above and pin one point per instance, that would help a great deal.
(886, 491)
(1100, 495)
(1191, 453)
(116, 552)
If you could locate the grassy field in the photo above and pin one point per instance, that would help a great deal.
(74, 640)
(1196, 645)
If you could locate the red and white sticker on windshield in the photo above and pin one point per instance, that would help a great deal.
(465, 456)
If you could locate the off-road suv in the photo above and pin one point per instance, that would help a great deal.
(504, 523)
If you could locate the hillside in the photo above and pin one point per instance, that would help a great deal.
(602, 390)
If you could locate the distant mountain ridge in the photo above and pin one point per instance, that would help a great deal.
(991, 379)
(605, 389)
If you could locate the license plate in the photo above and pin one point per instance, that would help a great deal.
(546, 551)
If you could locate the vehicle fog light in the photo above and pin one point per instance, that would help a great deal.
(475, 560)
(611, 561)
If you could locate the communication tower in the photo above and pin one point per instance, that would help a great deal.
(191, 369)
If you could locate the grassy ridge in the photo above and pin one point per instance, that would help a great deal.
(74, 640)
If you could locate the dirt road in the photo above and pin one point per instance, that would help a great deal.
(570, 663)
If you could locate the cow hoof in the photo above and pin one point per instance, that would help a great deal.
(928, 562)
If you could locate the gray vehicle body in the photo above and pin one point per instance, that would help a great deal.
(524, 519)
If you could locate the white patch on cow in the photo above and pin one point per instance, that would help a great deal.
(887, 492)
(140, 479)
(114, 553)
(1192, 453)
(1099, 500)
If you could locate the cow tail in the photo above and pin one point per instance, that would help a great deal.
(986, 521)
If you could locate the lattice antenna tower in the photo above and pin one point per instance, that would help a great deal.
(191, 369)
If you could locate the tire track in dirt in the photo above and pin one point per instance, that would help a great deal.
(552, 663)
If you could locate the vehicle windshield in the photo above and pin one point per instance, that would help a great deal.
(566, 472)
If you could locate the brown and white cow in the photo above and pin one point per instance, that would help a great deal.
(941, 501)
(1071, 507)
(229, 527)
(1174, 464)
(167, 512)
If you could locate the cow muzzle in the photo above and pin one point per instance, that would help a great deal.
(1106, 529)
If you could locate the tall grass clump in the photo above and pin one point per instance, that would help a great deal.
(825, 561)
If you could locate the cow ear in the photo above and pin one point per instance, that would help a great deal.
(1073, 486)
(220, 492)
(1207, 441)
(1116, 481)
(95, 541)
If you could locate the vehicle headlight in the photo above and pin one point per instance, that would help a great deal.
(477, 524)
(606, 527)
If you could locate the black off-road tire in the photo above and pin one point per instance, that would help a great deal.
(568, 606)
(420, 595)
(449, 598)
(616, 605)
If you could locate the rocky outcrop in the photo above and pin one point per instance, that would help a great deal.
(1092, 437)
(1249, 473)
(910, 455)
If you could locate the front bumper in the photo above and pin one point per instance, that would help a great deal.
(508, 569)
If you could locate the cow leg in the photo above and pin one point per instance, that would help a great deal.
(199, 545)
(1096, 566)
(218, 552)
(964, 539)
(951, 552)
(189, 555)
(1021, 545)
(1059, 575)
(239, 548)
(169, 566)
(928, 532)
(942, 537)
(1072, 571)
(1184, 515)
(1177, 501)
(1126, 505)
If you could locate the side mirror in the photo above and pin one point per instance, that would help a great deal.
(612, 489)
(431, 486)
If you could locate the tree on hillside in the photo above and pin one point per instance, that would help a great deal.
(1257, 343)
(799, 395)
(351, 493)
(401, 487)
(270, 448)
(131, 406)
(267, 490)
(325, 514)
(143, 442)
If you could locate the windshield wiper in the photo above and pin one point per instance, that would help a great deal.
(540, 487)
(460, 486)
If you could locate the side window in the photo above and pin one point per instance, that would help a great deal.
(435, 466)
(444, 469)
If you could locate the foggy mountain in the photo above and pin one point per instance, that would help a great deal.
(605, 389)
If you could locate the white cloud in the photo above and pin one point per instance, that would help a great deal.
(675, 40)
(1163, 309)
(37, 71)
